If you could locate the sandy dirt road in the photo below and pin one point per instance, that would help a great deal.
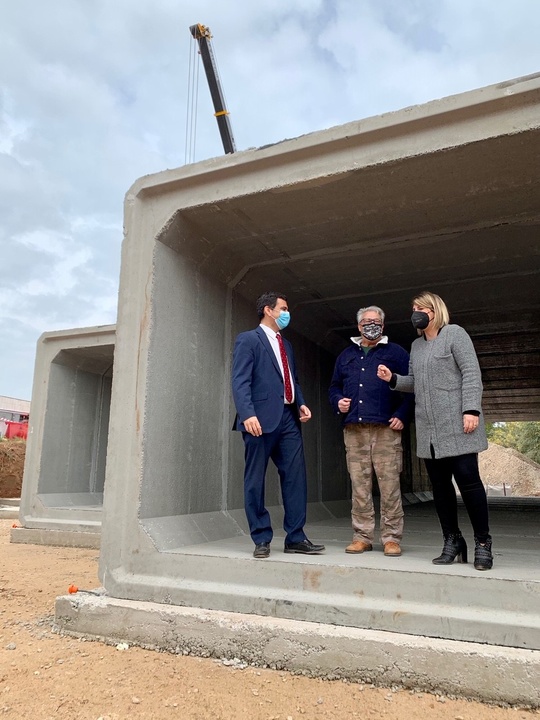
(44, 675)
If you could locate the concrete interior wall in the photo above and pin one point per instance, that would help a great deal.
(325, 460)
(192, 481)
(186, 391)
(76, 429)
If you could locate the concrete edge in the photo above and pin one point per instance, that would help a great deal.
(55, 538)
(454, 668)
(79, 333)
(10, 502)
(466, 105)
(9, 513)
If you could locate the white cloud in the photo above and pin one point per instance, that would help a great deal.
(94, 96)
(61, 278)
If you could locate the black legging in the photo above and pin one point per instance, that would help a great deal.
(464, 468)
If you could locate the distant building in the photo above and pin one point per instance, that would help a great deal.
(14, 409)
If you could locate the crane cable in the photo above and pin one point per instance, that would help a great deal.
(192, 104)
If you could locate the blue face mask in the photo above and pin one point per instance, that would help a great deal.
(283, 319)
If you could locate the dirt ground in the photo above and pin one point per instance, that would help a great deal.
(11, 467)
(44, 675)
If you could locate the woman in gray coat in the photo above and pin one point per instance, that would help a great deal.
(445, 376)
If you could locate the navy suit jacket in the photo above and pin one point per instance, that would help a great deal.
(257, 382)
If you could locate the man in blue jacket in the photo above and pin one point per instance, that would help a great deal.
(270, 407)
(373, 418)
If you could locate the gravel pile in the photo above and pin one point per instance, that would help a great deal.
(500, 466)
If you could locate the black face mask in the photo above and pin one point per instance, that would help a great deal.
(420, 320)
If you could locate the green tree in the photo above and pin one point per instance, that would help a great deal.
(529, 440)
(503, 433)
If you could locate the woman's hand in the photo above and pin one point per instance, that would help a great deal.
(470, 423)
(384, 373)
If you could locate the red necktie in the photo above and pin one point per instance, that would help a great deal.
(286, 373)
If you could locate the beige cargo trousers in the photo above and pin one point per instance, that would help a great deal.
(375, 446)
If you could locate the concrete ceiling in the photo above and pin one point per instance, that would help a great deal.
(97, 359)
(461, 218)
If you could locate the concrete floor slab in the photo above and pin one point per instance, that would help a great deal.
(9, 508)
(407, 594)
(55, 538)
(501, 675)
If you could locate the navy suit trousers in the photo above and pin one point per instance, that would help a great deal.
(284, 446)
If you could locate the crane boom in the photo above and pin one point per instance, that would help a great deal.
(202, 35)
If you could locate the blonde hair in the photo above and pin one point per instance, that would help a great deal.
(430, 301)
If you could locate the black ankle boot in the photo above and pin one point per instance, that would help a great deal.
(454, 547)
(483, 557)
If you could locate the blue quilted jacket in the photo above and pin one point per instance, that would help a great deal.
(372, 400)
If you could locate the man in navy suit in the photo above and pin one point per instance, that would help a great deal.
(270, 407)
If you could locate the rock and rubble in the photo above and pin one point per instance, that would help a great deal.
(505, 469)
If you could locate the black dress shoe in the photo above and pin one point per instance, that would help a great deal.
(262, 550)
(305, 548)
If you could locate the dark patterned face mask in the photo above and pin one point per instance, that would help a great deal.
(420, 319)
(372, 331)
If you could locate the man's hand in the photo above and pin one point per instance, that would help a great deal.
(305, 413)
(253, 426)
(395, 424)
(470, 423)
(344, 404)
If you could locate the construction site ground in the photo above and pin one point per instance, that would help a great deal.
(44, 675)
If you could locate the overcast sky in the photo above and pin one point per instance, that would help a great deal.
(93, 94)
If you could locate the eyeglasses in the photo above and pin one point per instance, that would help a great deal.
(370, 322)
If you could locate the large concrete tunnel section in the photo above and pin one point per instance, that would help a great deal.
(64, 474)
(445, 197)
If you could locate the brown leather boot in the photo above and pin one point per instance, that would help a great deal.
(358, 546)
(392, 549)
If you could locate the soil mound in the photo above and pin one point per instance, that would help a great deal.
(11, 467)
(505, 467)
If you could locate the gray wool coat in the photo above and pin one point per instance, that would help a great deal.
(445, 376)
